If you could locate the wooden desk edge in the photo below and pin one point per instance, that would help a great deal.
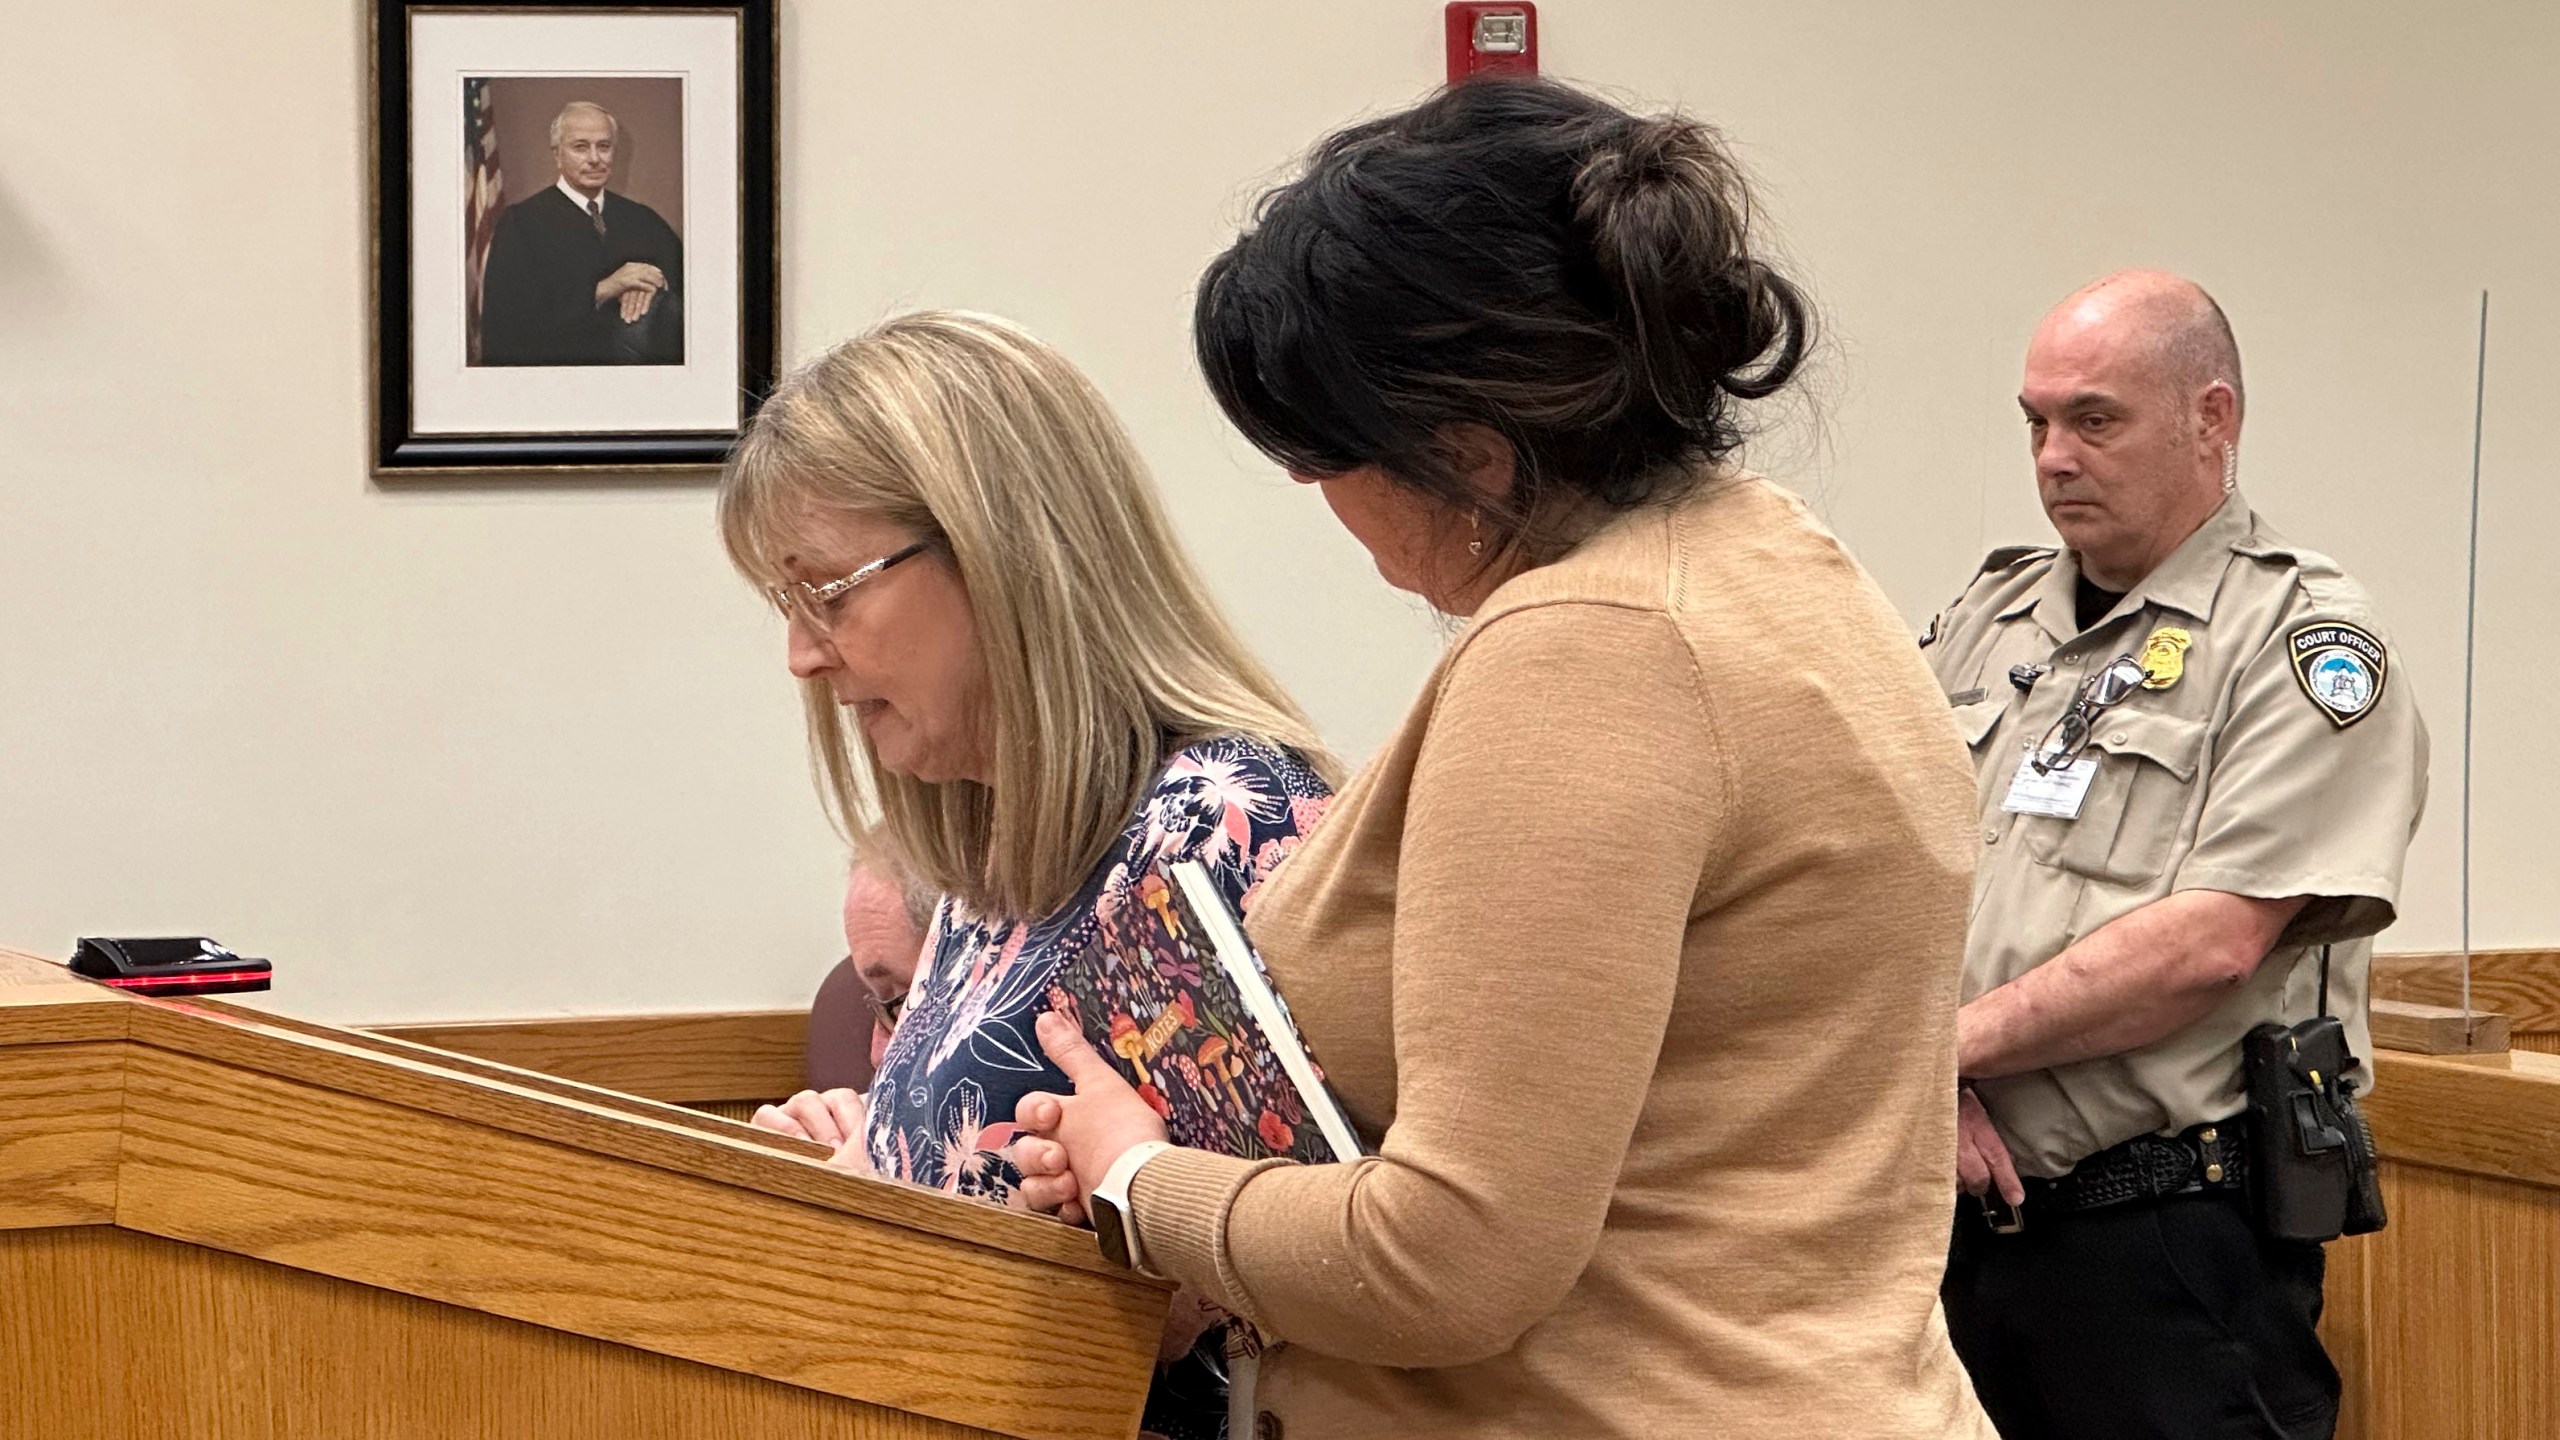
(2469, 1114)
(686, 1056)
(57, 1009)
(677, 1140)
(44, 1017)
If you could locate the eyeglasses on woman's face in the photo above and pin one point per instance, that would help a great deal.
(818, 607)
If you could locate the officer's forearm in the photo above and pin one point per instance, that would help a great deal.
(2138, 979)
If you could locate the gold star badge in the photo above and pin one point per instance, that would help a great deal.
(2164, 657)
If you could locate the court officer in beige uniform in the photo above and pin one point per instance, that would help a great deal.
(2198, 763)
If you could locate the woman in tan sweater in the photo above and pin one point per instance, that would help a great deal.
(1633, 954)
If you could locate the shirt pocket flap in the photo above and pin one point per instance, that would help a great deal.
(2175, 743)
(1975, 720)
(2137, 804)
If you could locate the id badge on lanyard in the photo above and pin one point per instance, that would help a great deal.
(2053, 776)
(2057, 793)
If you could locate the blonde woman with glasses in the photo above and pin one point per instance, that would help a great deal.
(1017, 684)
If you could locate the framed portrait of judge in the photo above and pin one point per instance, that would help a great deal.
(575, 261)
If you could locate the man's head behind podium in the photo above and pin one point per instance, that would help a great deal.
(886, 917)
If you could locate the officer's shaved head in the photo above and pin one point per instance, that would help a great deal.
(2132, 403)
(2188, 336)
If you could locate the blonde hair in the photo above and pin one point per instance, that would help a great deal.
(1102, 648)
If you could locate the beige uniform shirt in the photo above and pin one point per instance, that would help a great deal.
(2285, 758)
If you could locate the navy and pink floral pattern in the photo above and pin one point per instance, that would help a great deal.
(964, 1054)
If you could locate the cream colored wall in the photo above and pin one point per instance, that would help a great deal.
(479, 750)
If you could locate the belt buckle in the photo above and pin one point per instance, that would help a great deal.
(2003, 1217)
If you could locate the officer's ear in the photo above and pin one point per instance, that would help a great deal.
(2218, 416)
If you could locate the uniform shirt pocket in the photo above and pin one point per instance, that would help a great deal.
(2138, 802)
(1976, 719)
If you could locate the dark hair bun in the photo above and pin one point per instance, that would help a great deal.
(1667, 215)
(1516, 255)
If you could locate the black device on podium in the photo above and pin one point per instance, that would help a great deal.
(168, 965)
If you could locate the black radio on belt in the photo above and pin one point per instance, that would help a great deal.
(2311, 1164)
(163, 965)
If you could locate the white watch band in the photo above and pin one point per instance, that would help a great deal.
(1114, 1191)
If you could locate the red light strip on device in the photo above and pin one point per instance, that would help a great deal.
(181, 982)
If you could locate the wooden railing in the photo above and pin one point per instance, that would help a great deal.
(2522, 985)
(2446, 1324)
(724, 1062)
(219, 1222)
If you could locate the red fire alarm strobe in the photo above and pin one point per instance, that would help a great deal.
(1491, 39)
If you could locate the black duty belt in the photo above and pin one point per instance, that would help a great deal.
(2204, 1160)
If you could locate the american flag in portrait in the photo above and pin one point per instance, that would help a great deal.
(484, 192)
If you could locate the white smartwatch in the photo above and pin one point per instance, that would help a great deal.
(1113, 1222)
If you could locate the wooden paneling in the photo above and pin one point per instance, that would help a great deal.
(41, 1002)
(2461, 1315)
(383, 1225)
(197, 1343)
(2346, 1329)
(60, 1126)
(2443, 1324)
(684, 1142)
(2523, 985)
(22, 968)
(58, 1014)
(742, 1111)
(682, 1058)
(2408, 1026)
(2498, 1116)
(688, 1114)
(511, 1225)
(61, 1095)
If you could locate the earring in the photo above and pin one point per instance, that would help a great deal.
(2230, 468)
(1476, 545)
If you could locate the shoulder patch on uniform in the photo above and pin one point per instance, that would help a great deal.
(2342, 668)
(2010, 555)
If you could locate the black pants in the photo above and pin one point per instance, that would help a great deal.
(2169, 1320)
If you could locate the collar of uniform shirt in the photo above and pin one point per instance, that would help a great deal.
(576, 197)
(2185, 582)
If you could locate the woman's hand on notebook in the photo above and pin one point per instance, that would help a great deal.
(1070, 1141)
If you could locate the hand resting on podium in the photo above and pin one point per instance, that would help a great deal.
(830, 1117)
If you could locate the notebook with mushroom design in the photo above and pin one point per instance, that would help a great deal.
(1194, 1022)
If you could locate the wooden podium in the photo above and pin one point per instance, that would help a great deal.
(225, 1225)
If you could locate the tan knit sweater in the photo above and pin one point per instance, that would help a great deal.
(1634, 953)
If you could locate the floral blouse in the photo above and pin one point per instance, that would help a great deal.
(941, 1106)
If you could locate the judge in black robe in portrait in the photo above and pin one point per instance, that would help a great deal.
(579, 274)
